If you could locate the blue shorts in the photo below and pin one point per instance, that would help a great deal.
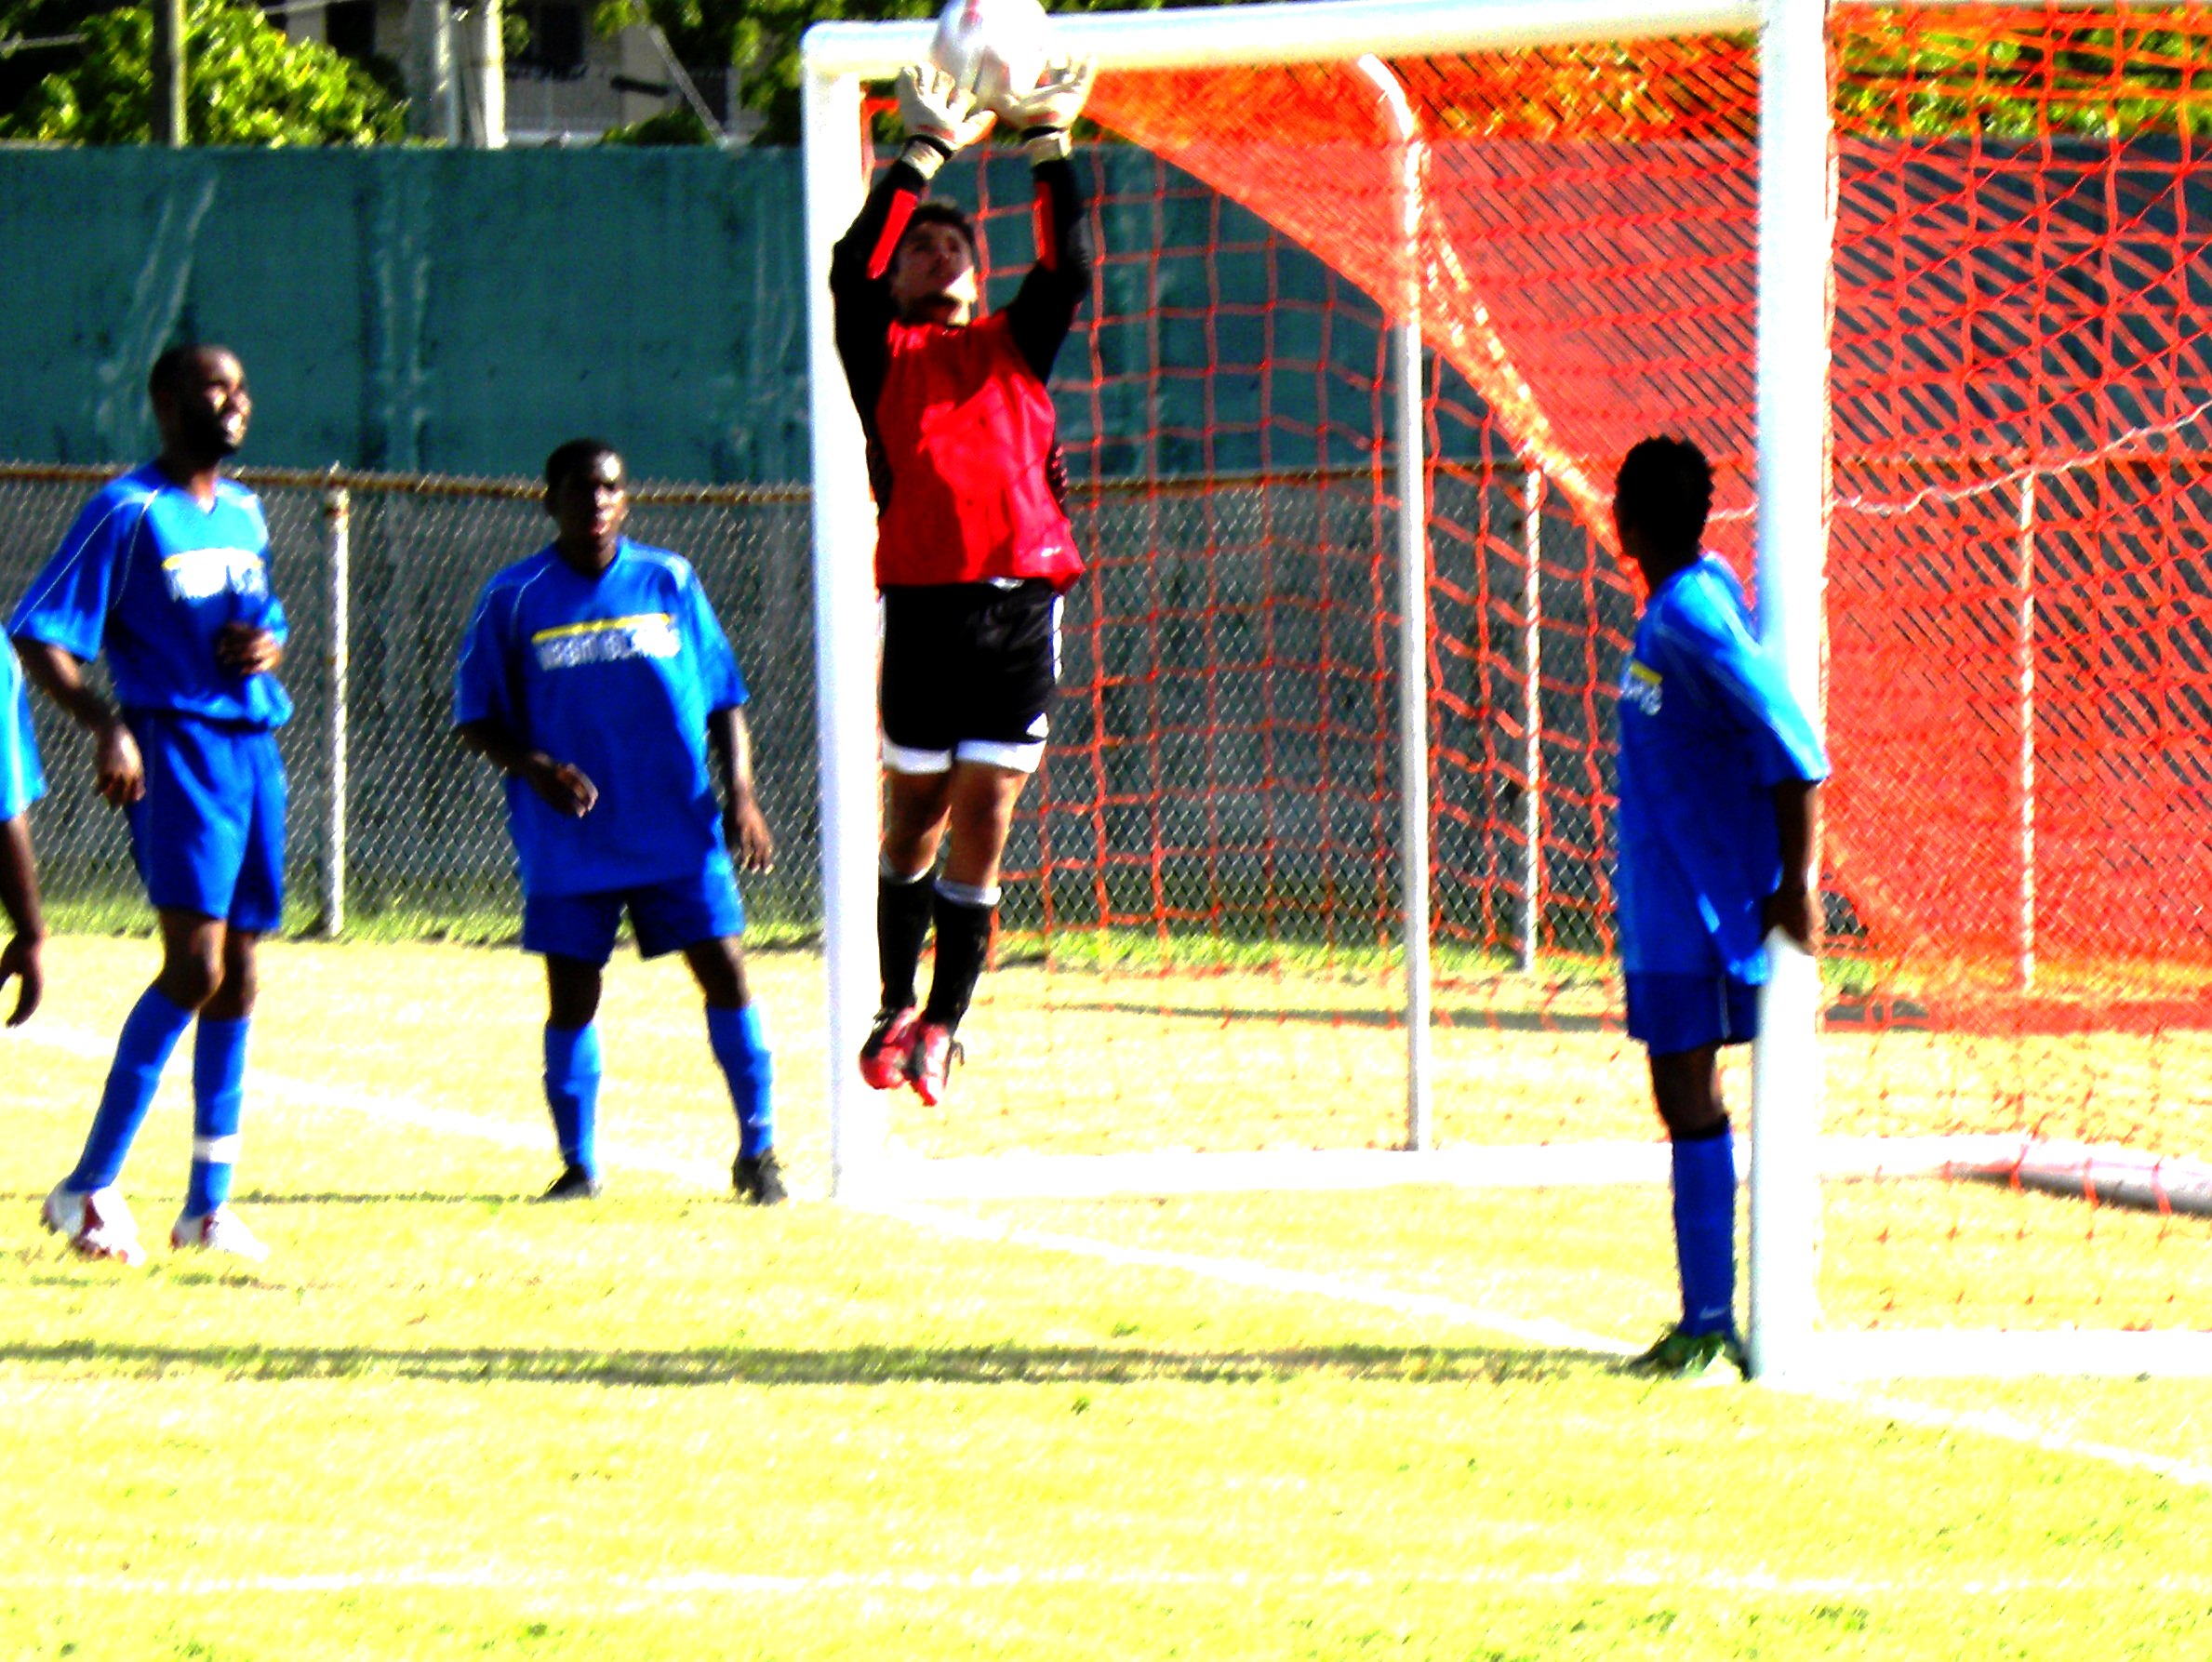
(208, 835)
(1672, 1013)
(667, 917)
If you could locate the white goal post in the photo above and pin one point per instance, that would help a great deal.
(1795, 236)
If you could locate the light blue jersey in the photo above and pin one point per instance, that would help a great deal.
(149, 577)
(615, 676)
(22, 783)
(1708, 729)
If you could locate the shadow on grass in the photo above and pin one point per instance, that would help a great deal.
(864, 1365)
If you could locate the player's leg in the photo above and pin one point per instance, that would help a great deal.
(740, 1047)
(702, 918)
(1684, 1020)
(219, 1039)
(927, 640)
(917, 788)
(1000, 717)
(87, 1207)
(184, 840)
(575, 934)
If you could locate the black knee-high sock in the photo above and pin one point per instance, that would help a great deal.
(902, 925)
(963, 938)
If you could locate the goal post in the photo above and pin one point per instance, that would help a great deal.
(1468, 731)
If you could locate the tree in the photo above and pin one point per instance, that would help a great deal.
(246, 83)
(760, 39)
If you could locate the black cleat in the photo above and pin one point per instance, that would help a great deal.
(573, 1183)
(759, 1179)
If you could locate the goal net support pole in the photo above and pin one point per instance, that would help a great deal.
(1796, 233)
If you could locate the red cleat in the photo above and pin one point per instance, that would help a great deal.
(929, 1062)
(884, 1058)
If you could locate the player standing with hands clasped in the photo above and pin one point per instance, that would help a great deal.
(973, 544)
(1719, 784)
(166, 571)
(595, 674)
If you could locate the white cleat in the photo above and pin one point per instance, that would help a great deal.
(97, 1224)
(218, 1231)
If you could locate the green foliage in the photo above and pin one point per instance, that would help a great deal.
(760, 39)
(680, 125)
(246, 84)
(2070, 76)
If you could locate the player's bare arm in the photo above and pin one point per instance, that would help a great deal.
(1790, 907)
(745, 827)
(18, 899)
(119, 772)
(247, 649)
(565, 787)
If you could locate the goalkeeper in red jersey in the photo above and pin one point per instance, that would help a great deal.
(973, 546)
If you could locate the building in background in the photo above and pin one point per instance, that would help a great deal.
(565, 85)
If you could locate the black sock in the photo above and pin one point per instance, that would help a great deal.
(902, 925)
(963, 938)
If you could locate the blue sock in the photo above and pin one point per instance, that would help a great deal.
(217, 1092)
(1705, 1229)
(572, 1092)
(151, 1031)
(740, 1047)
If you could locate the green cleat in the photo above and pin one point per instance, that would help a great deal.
(1680, 1355)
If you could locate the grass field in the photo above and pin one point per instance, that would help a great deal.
(442, 1421)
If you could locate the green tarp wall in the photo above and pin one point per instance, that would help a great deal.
(461, 313)
(415, 310)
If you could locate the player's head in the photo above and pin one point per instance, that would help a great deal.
(200, 403)
(587, 491)
(933, 267)
(1661, 500)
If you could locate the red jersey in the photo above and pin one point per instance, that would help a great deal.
(963, 451)
(966, 467)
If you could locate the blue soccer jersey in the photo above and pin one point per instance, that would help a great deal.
(149, 576)
(618, 676)
(1708, 729)
(22, 783)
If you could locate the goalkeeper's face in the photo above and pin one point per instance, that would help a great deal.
(932, 274)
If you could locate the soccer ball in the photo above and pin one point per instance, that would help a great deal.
(992, 48)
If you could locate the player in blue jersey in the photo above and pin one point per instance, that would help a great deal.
(1719, 785)
(594, 675)
(20, 785)
(167, 572)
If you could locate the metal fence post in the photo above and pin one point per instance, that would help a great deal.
(337, 519)
(1532, 719)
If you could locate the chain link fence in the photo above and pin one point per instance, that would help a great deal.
(395, 828)
(1224, 757)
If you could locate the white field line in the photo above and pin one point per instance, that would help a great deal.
(2005, 1429)
(1266, 1278)
(1570, 1579)
(1234, 1272)
(402, 1110)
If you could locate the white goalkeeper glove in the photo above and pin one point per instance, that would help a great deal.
(1044, 115)
(935, 111)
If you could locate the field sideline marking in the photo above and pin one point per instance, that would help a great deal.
(1235, 1271)
(1571, 1580)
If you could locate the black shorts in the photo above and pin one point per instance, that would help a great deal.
(967, 672)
